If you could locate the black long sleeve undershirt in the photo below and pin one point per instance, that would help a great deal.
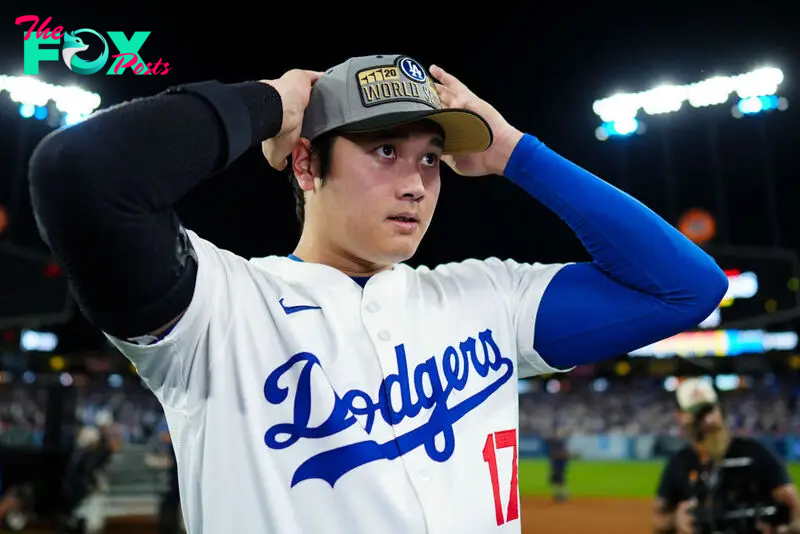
(103, 193)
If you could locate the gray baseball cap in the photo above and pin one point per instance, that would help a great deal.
(372, 93)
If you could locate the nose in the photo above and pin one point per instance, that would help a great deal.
(411, 187)
(711, 419)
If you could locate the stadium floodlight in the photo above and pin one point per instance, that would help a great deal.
(756, 104)
(33, 94)
(26, 111)
(622, 127)
(756, 90)
(72, 118)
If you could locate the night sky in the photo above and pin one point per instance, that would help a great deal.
(542, 68)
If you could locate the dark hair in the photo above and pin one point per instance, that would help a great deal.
(321, 150)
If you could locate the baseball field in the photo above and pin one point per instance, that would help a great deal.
(605, 497)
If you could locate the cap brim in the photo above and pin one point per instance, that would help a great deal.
(465, 132)
(695, 409)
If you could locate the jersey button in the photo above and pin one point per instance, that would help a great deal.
(373, 307)
(383, 335)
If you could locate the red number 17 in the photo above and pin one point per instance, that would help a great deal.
(502, 440)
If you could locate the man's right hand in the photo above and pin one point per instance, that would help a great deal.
(684, 517)
(294, 87)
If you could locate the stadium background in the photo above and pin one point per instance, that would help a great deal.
(543, 70)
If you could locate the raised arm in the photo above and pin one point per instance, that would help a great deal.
(646, 281)
(103, 191)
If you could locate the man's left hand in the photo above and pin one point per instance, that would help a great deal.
(454, 94)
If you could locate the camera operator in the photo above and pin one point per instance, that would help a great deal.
(718, 477)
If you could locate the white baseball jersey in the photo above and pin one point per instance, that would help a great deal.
(300, 402)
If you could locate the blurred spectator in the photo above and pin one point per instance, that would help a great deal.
(640, 408)
(22, 415)
(169, 512)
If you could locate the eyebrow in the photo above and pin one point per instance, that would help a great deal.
(436, 140)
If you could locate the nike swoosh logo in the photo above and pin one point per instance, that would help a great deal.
(288, 310)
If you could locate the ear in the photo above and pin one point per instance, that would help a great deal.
(304, 166)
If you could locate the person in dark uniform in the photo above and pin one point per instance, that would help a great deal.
(715, 481)
(169, 511)
(83, 477)
(559, 456)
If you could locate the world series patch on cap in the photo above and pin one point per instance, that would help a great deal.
(372, 93)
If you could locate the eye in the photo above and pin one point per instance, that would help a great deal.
(430, 159)
(385, 151)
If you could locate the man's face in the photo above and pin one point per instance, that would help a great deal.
(379, 196)
(709, 423)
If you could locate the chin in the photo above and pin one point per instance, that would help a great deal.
(716, 442)
(399, 252)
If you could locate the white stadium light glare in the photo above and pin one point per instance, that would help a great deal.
(757, 104)
(32, 340)
(26, 111)
(617, 106)
(760, 83)
(710, 92)
(620, 128)
(626, 126)
(72, 118)
(29, 91)
(664, 99)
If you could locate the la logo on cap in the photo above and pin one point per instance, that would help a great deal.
(413, 70)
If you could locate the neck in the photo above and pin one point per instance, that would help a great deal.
(314, 250)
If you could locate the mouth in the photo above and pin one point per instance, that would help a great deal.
(405, 221)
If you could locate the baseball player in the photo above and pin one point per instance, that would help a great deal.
(337, 389)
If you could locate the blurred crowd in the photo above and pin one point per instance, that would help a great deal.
(136, 412)
(635, 408)
(645, 408)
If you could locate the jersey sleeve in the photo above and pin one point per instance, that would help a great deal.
(522, 286)
(177, 367)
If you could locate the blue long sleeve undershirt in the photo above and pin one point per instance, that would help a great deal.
(646, 281)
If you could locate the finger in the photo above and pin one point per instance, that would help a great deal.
(445, 95)
(449, 160)
(444, 90)
(314, 75)
(445, 77)
(451, 99)
(275, 160)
